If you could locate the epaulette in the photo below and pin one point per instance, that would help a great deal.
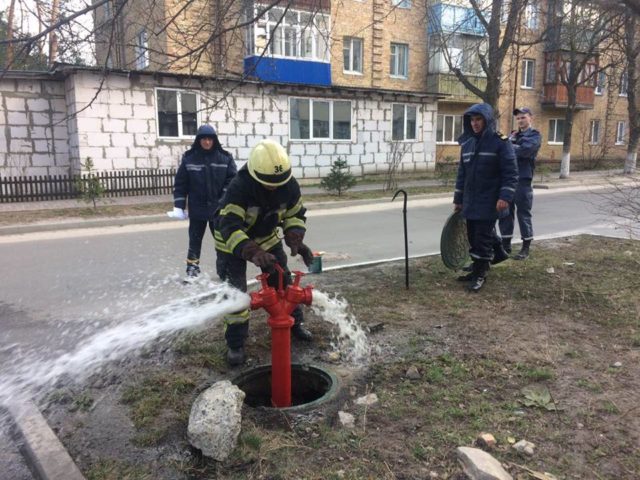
(502, 136)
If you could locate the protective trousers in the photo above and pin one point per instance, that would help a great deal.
(481, 235)
(196, 233)
(523, 202)
(234, 270)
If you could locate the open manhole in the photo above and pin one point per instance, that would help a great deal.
(311, 386)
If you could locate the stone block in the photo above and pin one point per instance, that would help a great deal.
(95, 110)
(135, 97)
(307, 161)
(53, 88)
(18, 132)
(42, 160)
(357, 149)
(58, 105)
(117, 82)
(371, 147)
(42, 146)
(243, 154)
(38, 104)
(296, 148)
(144, 111)
(123, 163)
(377, 114)
(102, 164)
(352, 160)
(96, 153)
(4, 145)
(343, 148)
(328, 148)
(297, 172)
(28, 86)
(17, 118)
(137, 126)
(89, 125)
(280, 129)
(31, 171)
(324, 171)
(121, 111)
(39, 133)
(363, 137)
(145, 140)
(324, 160)
(99, 140)
(262, 129)
(244, 128)
(59, 131)
(113, 125)
(254, 116)
(311, 172)
(370, 125)
(244, 103)
(38, 118)
(380, 157)
(226, 128)
(15, 104)
(312, 149)
(61, 146)
(20, 146)
(235, 141)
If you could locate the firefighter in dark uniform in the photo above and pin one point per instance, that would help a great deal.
(486, 183)
(526, 143)
(201, 180)
(263, 196)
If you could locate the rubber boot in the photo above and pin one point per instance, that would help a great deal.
(506, 244)
(235, 356)
(301, 333)
(481, 277)
(523, 254)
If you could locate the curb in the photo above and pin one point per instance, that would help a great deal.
(43, 452)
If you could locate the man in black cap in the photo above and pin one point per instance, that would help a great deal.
(526, 143)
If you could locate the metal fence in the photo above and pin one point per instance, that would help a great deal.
(59, 187)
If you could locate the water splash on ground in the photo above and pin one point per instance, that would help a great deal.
(351, 341)
(28, 376)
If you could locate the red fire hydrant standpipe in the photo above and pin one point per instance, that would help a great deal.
(279, 304)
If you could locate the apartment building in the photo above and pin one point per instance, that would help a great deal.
(346, 78)
(532, 77)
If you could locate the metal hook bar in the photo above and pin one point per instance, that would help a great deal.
(406, 238)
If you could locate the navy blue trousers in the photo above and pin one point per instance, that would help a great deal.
(520, 207)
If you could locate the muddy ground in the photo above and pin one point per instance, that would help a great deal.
(566, 321)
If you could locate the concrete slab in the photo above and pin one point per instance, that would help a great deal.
(44, 453)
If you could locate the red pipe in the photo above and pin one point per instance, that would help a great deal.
(280, 304)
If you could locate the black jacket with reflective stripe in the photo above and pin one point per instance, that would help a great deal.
(250, 211)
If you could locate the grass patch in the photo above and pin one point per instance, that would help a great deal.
(117, 470)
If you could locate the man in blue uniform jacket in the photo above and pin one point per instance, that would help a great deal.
(486, 184)
(526, 143)
(201, 180)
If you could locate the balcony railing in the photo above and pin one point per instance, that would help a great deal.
(556, 96)
(446, 83)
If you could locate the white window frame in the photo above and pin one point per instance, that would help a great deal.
(594, 139)
(621, 128)
(330, 137)
(531, 16)
(404, 138)
(555, 132)
(525, 71)
(349, 68)
(142, 50)
(452, 141)
(298, 27)
(394, 58)
(624, 84)
(179, 92)
(401, 3)
(600, 87)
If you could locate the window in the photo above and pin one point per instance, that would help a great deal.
(177, 113)
(624, 84)
(314, 119)
(399, 60)
(528, 66)
(531, 16)
(550, 76)
(142, 50)
(401, 3)
(449, 128)
(620, 133)
(600, 83)
(404, 126)
(294, 34)
(594, 136)
(556, 130)
(107, 10)
(352, 54)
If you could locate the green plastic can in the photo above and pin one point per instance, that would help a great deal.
(316, 265)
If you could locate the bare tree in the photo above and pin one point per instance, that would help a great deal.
(631, 49)
(577, 31)
(484, 56)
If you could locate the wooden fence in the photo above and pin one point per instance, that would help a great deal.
(59, 187)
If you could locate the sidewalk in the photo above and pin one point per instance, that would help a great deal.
(577, 179)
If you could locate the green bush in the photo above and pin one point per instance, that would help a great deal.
(339, 178)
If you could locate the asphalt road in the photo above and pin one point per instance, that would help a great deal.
(73, 282)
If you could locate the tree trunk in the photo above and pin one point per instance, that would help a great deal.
(9, 53)
(630, 163)
(53, 37)
(565, 165)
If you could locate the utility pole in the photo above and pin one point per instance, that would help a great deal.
(9, 55)
(53, 38)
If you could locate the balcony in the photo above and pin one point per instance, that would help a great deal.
(448, 84)
(286, 70)
(555, 96)
(454, 19)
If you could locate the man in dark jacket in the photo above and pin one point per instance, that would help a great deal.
(262, 197)
(204, 174)
(486, 183)
(526, 143)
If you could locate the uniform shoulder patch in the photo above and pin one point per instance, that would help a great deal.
(502, 136)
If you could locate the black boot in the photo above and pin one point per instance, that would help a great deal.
(499, 254)
(235, 356)
(301, 333)
(506, 244)
(523, 254)
(481, 276)
(468, 268)
(468, 276)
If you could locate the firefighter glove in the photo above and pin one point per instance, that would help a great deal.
(178, 213)
(306, 254)
(293, 239)
(256, 255)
